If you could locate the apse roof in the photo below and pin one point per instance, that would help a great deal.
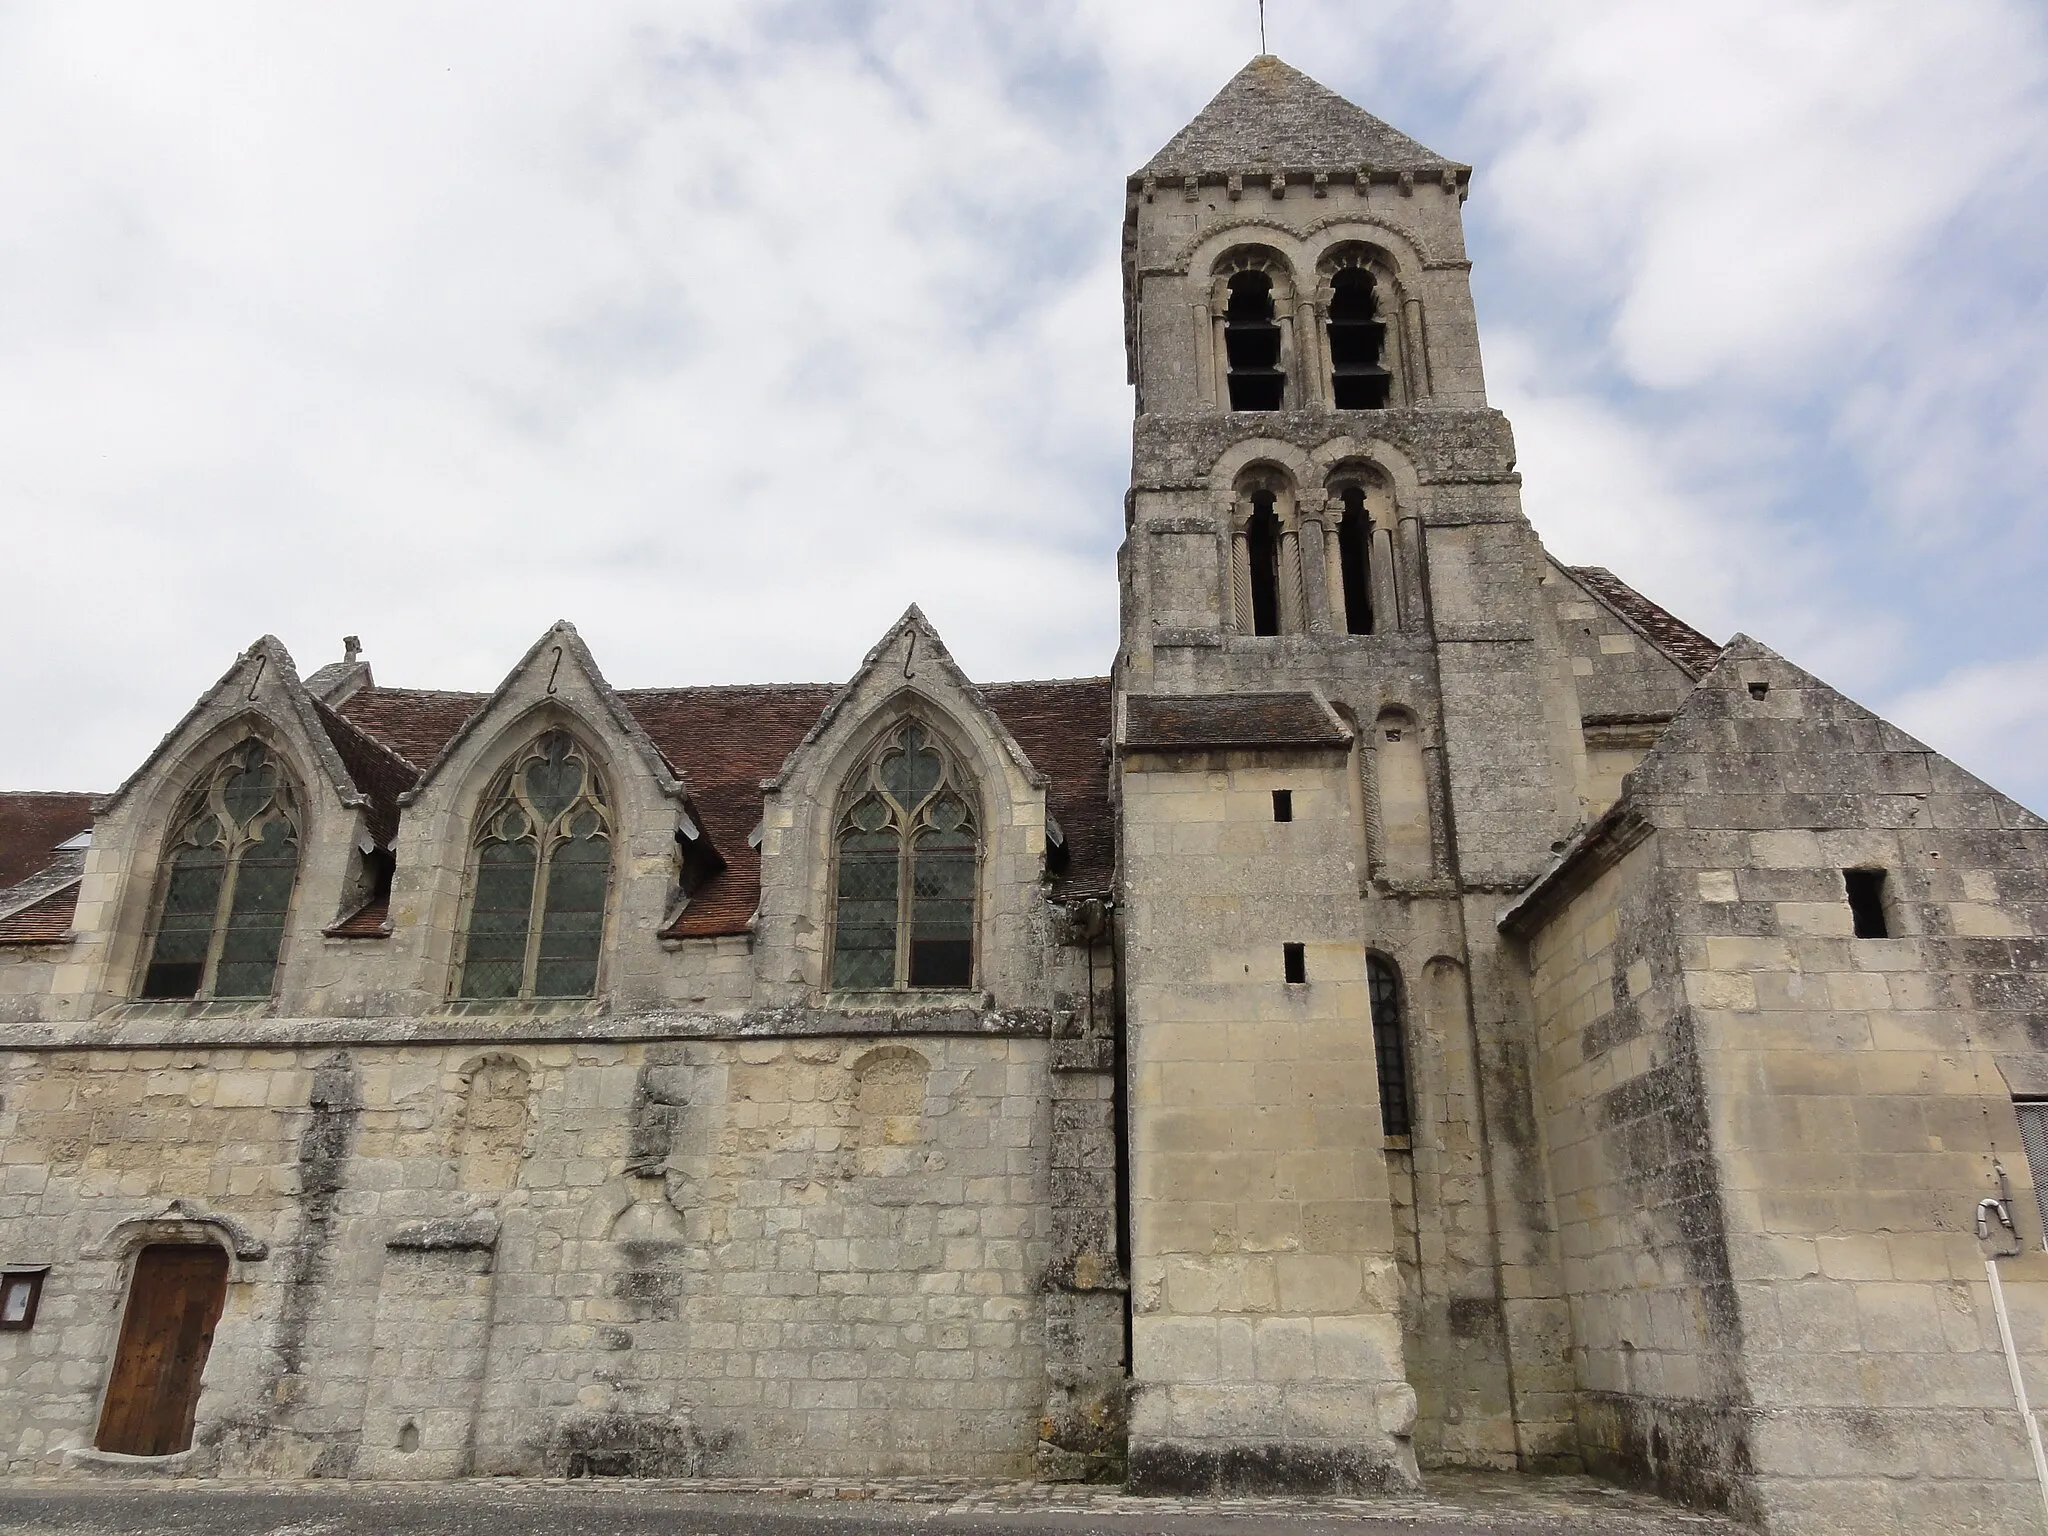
(1272, 115)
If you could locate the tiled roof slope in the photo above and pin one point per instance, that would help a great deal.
(45, 922)
(725, 740)
(32, 824)
(1272, 115)
(1679, 640)
(380, 773)
(1179, 723)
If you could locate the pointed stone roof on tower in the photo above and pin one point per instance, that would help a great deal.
(1273, 116)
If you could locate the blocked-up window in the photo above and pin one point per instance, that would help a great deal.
(908, 869)
(540, 876)
(227, 883)
(1389, 1044)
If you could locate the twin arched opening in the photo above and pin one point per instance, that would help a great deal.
(1282, 349)
(1315, 565)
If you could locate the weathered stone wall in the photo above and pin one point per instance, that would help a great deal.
(1266, 1335)
(1657, 1338)
(818, 1255)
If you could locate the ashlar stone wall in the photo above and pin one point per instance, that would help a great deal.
(765, 1257)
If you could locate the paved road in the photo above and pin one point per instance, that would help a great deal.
(1453, 1507)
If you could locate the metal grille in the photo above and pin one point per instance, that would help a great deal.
(1389, 1045)
(2034, 1134)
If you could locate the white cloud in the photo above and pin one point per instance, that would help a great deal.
(1991, 718)
(727, 331)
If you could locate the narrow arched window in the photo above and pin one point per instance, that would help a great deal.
(1359, 381)
(908, 861)
(1251, 341)
(1389, 1044)
(541, 874)
(227, 887)
(1354, 558)
(1262, 544)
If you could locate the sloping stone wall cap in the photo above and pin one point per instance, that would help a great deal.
(1273, 116)
(1174, 722)
(448, 1233)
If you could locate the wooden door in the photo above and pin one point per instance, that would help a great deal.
(173, 1303)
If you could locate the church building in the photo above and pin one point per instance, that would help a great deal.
(1425, 1006)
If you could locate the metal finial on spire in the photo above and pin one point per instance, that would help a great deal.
(1262, 27)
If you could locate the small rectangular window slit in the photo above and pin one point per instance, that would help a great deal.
(1283, 805)
(1295, 958)
(1866, 902)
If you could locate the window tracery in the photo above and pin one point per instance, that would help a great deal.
(227, 889)
(541, 875)
(908, 857)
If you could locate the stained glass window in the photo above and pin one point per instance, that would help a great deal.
(227, 883)
(908, 871)
(542, 875)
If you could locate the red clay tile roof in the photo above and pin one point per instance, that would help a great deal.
(46, 922)
(32, 824)
(725, 740)
(1679, 640)
(416, 723)
(366, 922)
(1184, 722)
(380, 773)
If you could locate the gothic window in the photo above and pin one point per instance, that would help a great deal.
(542, 870)
(1251, 342)
(1389, 1044)
(228, 883)
(1354, 559)
(905, 888)
(1359, 380)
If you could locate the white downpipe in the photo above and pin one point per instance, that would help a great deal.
(2019, 1386)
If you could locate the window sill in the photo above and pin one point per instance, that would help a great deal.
(909, 1000)
(523, 1008)
(191, 1008)
(1400, 1143)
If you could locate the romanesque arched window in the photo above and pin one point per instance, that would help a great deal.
(1251, 341)
(541, 872)
(907, 861)
(1359, 379)
(1389, 1044)
(1262, 553)
(1354, 558)
(227, 885)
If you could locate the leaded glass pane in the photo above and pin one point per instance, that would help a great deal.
(942, 902)
(184, 934)
(256, 918)
(553, 783)
(572, 926)
(913, 770)
(864, 946)
(499, 915)
(251, 786)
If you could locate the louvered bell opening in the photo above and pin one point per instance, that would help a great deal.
(1358, 379)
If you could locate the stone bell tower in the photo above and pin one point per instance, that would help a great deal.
(1346, 735)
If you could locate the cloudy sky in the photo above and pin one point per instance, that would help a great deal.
(727, 329)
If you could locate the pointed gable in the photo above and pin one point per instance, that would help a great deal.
(262, 681)
(1272, 115)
